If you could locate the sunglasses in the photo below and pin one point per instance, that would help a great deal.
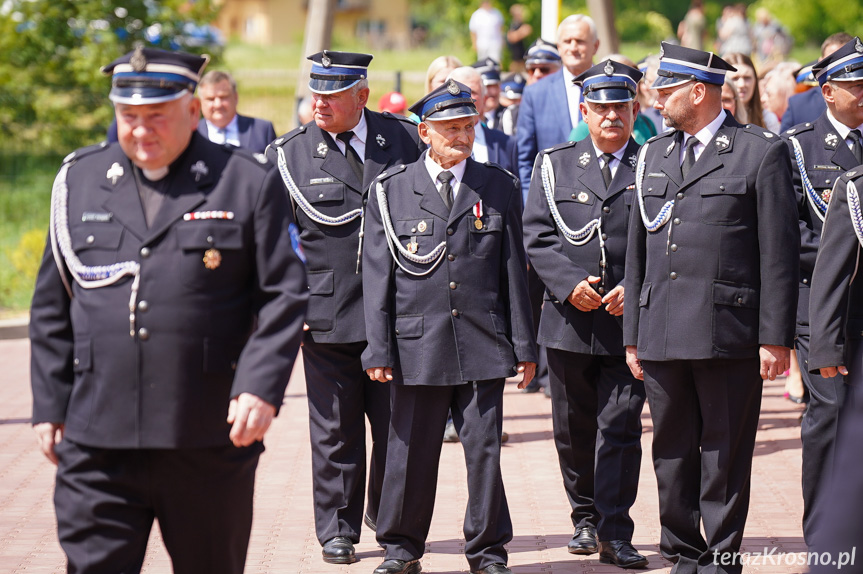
(540, 69)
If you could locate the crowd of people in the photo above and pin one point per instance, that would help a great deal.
(611, 232)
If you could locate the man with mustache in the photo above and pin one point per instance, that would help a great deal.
(575, 223)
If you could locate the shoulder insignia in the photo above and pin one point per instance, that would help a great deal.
(260, 157)
(851, 174)
(768, 135)
(660, 136)
(558, 147)
(79, 153)
(391, 171)
(289, 136)
(669, 148)
(403, 119)
(504, 170)
(791, 131)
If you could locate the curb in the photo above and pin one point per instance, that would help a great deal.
(15, 327)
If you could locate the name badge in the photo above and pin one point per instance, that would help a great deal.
(317, 180)
(96, 216)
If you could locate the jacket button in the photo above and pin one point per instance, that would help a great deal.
(143, 306)
(740, 300)
(320, 196)
(676, 221)
(451, 257)
(673, 275)
(680, 195)
(397, 332)
(143, 334)
(452, 285)
(413, 229)
(210, 239)
(828, 181)
(721, 188)
(674, 247)
(90, 240)
(573, 196)
(145, 252)
(601, 290)
(77, 362)
(365, 201)
(455, 312)
(449, 231)
(806, 281)
(606, 209)
(604, 236)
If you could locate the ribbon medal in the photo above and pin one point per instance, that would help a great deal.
(477, 211)
(212, 259)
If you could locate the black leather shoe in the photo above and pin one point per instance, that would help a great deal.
(621, 553)
(339, 550)
(583, 541)
(370, 523)
(398, 567)
(494, 569)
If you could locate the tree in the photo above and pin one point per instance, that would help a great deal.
(51, 89)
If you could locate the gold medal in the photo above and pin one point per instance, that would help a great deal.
(422, 226)
(478, 223)
(412, 247)
(212, 258)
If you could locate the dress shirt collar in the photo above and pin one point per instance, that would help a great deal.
(434, 169)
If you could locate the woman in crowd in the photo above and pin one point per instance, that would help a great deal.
(746, 83)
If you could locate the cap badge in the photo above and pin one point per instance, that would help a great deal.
(326, 61)
(138, 61)
(380, 139)
(859, 46)
(422, 226)
(115, 173)
(453, 88)
(584, 159)
(609, 69)
(322, 149)
(831, 140)
(722, 141)
(199, 168)
(583, 197)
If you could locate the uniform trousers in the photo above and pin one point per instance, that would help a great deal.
(106, 500)
(596, 407)
(536, 292)
(818, 431)
(341, 396)
(419, 414)
(705, 416)
(838, 527)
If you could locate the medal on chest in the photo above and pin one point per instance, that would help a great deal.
(477, 211)
(212, 258)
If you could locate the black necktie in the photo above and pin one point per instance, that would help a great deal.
(688, 155)
(351, 154)
(856, 148)
(606, 168)
(446, 189)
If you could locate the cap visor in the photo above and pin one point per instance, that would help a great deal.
(669, 82)
(851, 76)
(141, 96)
(609, 96)
(330, 86)
(453, 113)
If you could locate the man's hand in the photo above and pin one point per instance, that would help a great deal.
(613, 301)
(529, 370)
(251, 417)
(830, 372)
(633, 363)
(584, 297)
(775, 360)
(49, 435)
(380, 374)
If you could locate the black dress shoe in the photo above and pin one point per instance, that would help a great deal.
(370, 523)
(583, 541)
(495, 568)
(621, 553)
(398, 567)
(339, 550)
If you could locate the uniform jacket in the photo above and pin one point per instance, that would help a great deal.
(467, 320)
(720, 278)
(826, 158)
(501, 149)
(201, 336)
(325, 178)
(255, 133)
(836, 284)
(802, 108)
(581, 197)
(543, 122)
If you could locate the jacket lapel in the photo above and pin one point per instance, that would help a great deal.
(334, 162)
(565, 122)
(377, 150)
(244, 127)
(670, 163)
(625, 174)
(123, 199)
(711, 160)
(424, 186)
(591, 173)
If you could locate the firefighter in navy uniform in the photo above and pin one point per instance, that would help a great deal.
(821, 152)
(328, 183)
(711, 269)
(575, 224)
(167, 312)
(448, 320)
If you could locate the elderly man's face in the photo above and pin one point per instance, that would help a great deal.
(577, 46)
(154, 135)
(218, 103)
(610, 125)
(449, 141)
(341, 111)
(492, 97)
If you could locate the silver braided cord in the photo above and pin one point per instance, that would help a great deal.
(819, 206)
(88, 277)
(855, 211)
(435, 256)
(579, 237)
(665, 213)
(304, 204)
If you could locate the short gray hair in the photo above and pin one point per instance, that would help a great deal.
(468, 71)
(216, 76)
(574, 19)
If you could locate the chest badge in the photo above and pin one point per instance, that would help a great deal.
(825, 195)
(584, 159)
(412, 247)
(200, 169)
(831, 140)
(722, 142)
(422, 226)
(583, 197)
(380, 139)
(212, 259)
(477, 211)
(632, 161)
(322, 149)
(115, 173)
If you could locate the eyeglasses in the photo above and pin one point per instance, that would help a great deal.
(540, 69)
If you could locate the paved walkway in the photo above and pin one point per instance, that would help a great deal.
(283, 539)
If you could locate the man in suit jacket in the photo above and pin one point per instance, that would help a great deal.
(822, 151)
(448, 321)
(168, 300)
(327, 167)
(221, 122)
(575, 225)
(550, 107)
(712, 262)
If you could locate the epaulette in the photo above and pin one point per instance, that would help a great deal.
(851, 174)
(504, 170)
(799, 129)
(391, 171)
(281, 140)
(658, 137)
(402, 119)
(559, 146)
(79, 153)
(255, 158)
(759, 131)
